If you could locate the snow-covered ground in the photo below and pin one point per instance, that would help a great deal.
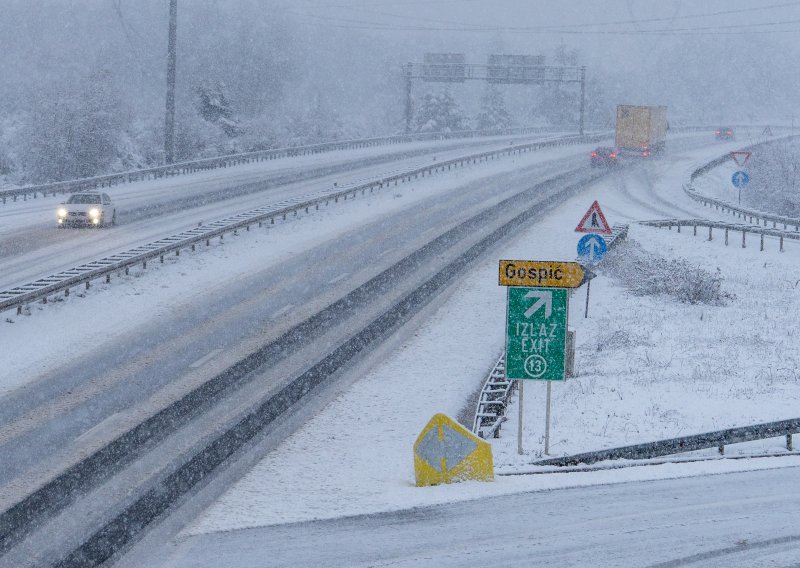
(647, 368)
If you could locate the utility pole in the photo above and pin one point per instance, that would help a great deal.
(169, 121)
(409, 110)
(583, 99)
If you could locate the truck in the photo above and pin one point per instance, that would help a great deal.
(641, 130)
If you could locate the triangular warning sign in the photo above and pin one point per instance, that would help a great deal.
(594, 221)
(741, 157)
(767, 131)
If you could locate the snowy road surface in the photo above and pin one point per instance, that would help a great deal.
(70, 396)
(734, 519)
(31, 246)
(353, 458)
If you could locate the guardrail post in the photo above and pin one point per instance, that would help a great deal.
(789, 442)
(709, 232)
(744, 234)
(721, 450)
(695, 229)
(762, 242)
(781, 243)
(726, 236)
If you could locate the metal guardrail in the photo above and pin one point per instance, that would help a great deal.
(717, 439)
(181, 168)
(754, 216)
(727, 228)
(492, 401)
(497, 390)
(103, 268)
(84, 184)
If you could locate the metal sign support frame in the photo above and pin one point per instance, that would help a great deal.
(482, 75)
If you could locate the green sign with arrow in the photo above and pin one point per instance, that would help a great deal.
(536, 333)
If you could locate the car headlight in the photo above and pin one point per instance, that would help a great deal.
(94, 212)
(62, 212)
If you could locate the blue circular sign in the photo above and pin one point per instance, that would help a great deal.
(740, 179)
(592, 248)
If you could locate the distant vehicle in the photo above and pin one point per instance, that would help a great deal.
(91, 209)
(641, 130)
(724, 133)
(605, 157)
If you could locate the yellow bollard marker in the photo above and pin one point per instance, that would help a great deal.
(446, 452)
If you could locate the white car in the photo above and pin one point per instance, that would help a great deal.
(91, 208)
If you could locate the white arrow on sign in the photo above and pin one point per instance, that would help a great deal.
(544, 298)
(593, 244)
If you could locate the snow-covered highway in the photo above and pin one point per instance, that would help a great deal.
(31, 246)
(65, 401)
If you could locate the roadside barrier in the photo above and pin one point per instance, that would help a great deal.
(754, 216)
(182, 168)
(718, 439)
(82, 275)
(726, 228)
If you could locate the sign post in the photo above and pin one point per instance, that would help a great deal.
(739, 180)
(592, 247)
(537, 306)
(536, 342)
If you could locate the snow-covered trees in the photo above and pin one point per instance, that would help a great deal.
(318, 122)
(493, 114)
(439, 112)
(775, 184)
(74, 131)
(559, 103)
(214, 106)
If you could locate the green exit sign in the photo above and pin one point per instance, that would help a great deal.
(536, 333)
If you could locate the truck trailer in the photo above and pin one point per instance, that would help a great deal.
(641, 130)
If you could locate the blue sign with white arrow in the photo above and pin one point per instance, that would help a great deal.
(740, 179)
(592, 248)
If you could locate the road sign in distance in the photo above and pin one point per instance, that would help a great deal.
(536, 333)
(592, 248)
(543, 273)
(594, 221)
(741, 157)
(740, 179)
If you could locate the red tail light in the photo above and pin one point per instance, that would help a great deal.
(717, 132)
(612, 155)
(645, 153)
(730, 131)
(594, 154)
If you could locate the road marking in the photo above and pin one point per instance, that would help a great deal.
(283, 310)
(205, 359)
(105, 424)
(340, 277)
